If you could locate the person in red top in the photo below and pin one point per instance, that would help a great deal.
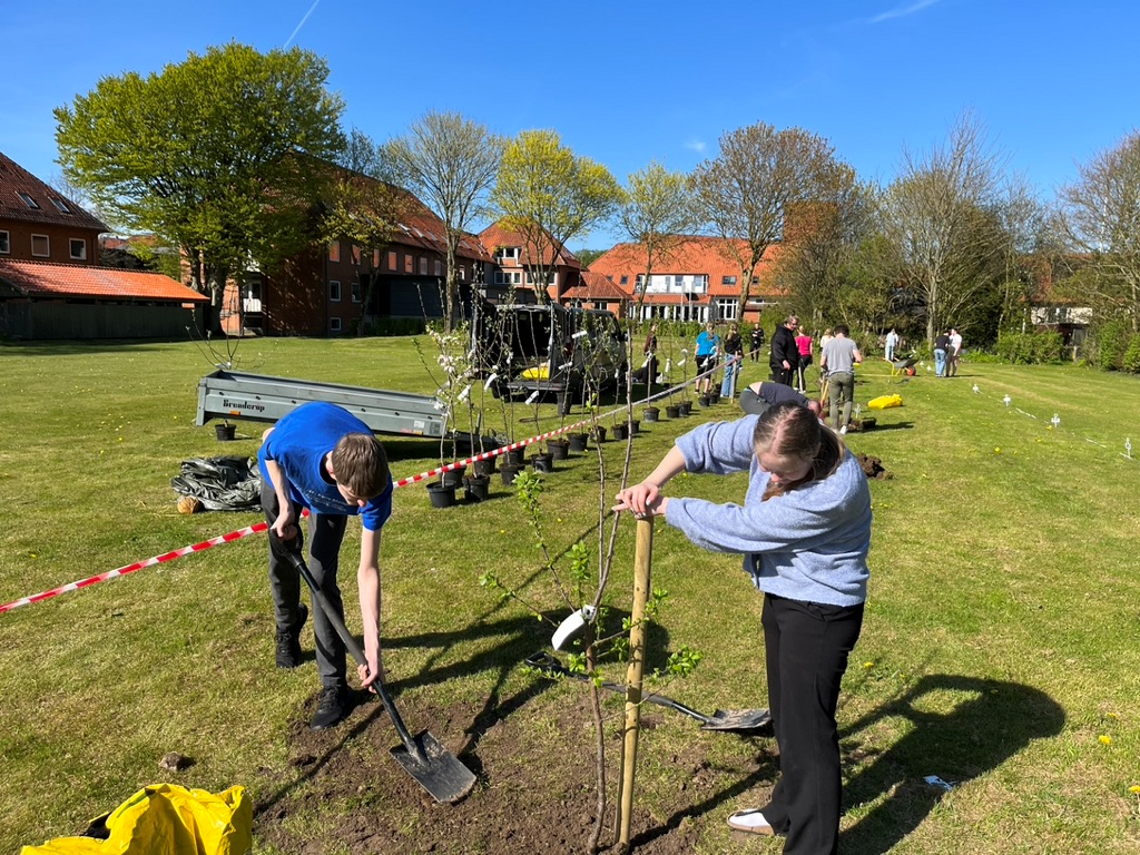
(803, 343)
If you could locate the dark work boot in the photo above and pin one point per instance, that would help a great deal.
(289, 641)
(334, 707)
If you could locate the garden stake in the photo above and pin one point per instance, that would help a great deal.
(643, 561)
(423, 756)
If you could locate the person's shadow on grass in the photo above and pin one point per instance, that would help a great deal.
(960, 728)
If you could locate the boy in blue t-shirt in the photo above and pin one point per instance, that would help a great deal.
(323, 458)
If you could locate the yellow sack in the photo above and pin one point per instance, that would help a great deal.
(884, 401)
(165, 819)
(539, 372)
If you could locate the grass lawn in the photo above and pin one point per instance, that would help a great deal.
(1000, 651)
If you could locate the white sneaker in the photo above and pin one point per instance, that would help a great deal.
(843, 431)
(751, 822)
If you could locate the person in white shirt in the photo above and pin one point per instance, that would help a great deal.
(954, 354)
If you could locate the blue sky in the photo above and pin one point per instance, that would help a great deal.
(625, 83)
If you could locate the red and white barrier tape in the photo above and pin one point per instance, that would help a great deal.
(262, 526)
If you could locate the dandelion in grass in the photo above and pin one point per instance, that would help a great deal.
(868, 665)
(1105, 739)
(1135, 788)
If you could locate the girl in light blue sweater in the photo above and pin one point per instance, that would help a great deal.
(804, 530)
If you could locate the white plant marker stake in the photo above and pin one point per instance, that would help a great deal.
(1007, 400)
(1128, 448)
(1055, 421)
(976, 389)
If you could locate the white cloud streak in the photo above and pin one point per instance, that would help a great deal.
(902, 11)
(297, 29)
(696, 145)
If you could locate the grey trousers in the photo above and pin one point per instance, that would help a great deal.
(326, 532)
(841, 392)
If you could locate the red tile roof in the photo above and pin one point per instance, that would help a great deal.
(595, 287)
(497, 235)
(691, 255)
(15, 180)
(40, 279)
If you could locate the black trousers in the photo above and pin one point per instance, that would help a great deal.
(326, 532)
(806, 647)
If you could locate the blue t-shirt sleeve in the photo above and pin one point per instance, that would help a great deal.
(376, 512)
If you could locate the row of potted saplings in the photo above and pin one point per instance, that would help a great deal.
(477, 485)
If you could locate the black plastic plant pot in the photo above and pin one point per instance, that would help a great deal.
(598, 433)
(477, 487)
(651, 413)
(685, 407)
(672, 412)
(484, 467)
(517, 456)
(621, 432)
(558, 450)
(225, 433)
(543, 462)
(635, 426)
(579, 442)
(508, 472)
(442, 495)
(453, 478)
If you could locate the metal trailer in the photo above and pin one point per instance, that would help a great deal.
(260, 398)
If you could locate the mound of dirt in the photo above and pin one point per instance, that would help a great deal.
(536, 789)
(873, 467)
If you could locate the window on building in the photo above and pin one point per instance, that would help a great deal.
(462, 273)
(423, 266)
(41, 246)
(28, 200)
(728, 280)
(356, 255)
(508, 253)
(438, 267)
(78, 249)
(624, 280)
(334, 251)
(391, 259)
(334, 325)
(409, 264)
(357, 290)
(376, 258)
(334, 290)
(5, 245)
(726, 309)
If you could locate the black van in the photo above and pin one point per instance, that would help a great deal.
(549, 350)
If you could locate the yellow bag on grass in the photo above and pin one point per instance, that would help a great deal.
(884, 401)
(164, 819)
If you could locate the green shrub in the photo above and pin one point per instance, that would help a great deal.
(1130, 362)
(1030, 348)
(1109, 341)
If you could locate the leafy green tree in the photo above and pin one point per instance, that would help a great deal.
(745, 192)
(212, 154)
(659, 215)
(450, 162)
(814, 267)
(549, 196)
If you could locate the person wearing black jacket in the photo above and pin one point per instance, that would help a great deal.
(785, 354)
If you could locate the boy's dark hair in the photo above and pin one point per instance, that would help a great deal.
(360, 464)
(841, 329)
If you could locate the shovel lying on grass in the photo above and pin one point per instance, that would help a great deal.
(734, 720)
(423, 756)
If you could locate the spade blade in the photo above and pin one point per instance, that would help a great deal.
(437, 769)
(737, 720)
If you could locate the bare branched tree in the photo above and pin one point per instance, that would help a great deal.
(1101, 218)
(449, 162)
(744, 193)
(937, 213)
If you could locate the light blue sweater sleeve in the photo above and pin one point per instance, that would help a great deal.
(809, 544)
